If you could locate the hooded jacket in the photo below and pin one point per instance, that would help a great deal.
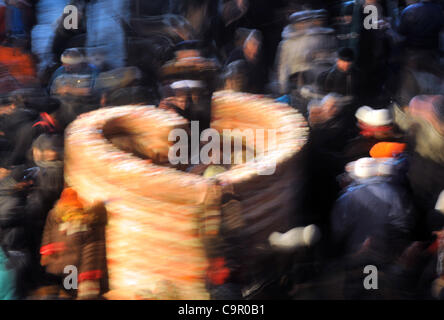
(300, 50)
(378, 208)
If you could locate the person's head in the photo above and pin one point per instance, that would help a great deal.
(331, 104)
(252, 46)
(234, 76)
(374, 123)
(7, 106)
(301, 20)
(346, 14)
(72, 59)
(345, 59)
(47, 148)
(187, 91)
(319, 18)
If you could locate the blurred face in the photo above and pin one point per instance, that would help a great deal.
(49, 155)
(8, 109)
(234, 83)
(182, 54)
(330, 108)
(37, 154)
(251, 49)
(344, 66)
(72, 67)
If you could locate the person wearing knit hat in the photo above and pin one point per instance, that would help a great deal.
(73, 63)
(308, 48)
(72, 58)
(300, 16)
(74, 235)
(373, 122)
(192, 79)
(374, 126)
(48, 182)
(372, 221)
(342, 77)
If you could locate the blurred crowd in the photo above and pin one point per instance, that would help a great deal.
(373, 168)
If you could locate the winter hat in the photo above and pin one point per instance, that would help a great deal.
(372, 117)
(320, 14)
(187, 84)
(387, 149)
(70, 198)
(365, 168)
(346, 54)
(72, 56)
(300, 16)
(361, 113)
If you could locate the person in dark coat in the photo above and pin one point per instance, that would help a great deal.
(423, 122)
(342, 77)
(374, 126)
(13, 231)
(421, 24)
(330, 129)
(48, 183)
(16, 124)
(372, 222)
(251, 55)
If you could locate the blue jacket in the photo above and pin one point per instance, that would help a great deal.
(376, 208)
(7, 279)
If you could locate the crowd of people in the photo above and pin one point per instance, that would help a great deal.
(373, 97)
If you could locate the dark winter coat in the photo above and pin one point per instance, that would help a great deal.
(421, 24)
(378, 208)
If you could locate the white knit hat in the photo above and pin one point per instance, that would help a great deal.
(365, 168)
(369, 167)
(372, 117)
